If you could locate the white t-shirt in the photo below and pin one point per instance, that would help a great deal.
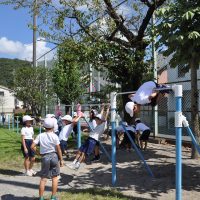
(92, 124)
(98, 131)
(142, 95)
(55, 125)
(141, 127)
(47, 141)
(65, 132)
(128, 128)
(27, 132)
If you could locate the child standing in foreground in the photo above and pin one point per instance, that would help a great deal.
(141, 127)
(27, 140)
(51, 157)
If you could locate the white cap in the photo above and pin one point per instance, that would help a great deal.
(67, 118)
(101, 117)
(137, 119)
(50, 115)
(48, 123)
(129, 108)
(75, 114)
(27, 118)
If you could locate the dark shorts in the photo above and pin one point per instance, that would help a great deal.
(145, 135)
(49, 165)
(30, 153)
(63, 146)
(126, 138)
(88, 146)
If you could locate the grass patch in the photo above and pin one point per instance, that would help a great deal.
(95, 194)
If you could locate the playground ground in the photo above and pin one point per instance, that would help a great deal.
(93, 181)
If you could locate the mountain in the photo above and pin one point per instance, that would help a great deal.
(7, 69)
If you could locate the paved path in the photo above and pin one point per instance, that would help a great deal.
(132, 179)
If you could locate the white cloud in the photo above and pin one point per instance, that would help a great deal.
(19, 50)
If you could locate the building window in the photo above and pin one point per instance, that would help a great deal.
(1, 93)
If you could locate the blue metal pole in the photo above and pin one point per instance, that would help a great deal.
(178, 125)
(194, 141)
(138, 152)
(114, 174)
(13, 122)
(17, 124)
(9, 122)
(79, 134)
(113, 102)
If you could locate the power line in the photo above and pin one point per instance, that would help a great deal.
(85, 27)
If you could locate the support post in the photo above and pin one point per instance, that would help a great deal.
(113, 102)
(8, 122)
(79, 134)
(178, 126)
(17, 124)
(13, 122)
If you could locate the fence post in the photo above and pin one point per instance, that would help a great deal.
(13, 123)
(113, 101)
(17, 124)
(8, 122)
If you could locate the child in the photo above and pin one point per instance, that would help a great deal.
(88, 147)
(51, 154)
(68, 123)
(145, 95)
(56, 130)
(141, 127)
(27, 140)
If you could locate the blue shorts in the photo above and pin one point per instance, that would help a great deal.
(63, 146)
(88, 146)
(30, 153)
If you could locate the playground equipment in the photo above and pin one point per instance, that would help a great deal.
(180, 120)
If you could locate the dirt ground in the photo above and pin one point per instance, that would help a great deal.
(132, 178)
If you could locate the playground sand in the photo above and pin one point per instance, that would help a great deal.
(132, 178)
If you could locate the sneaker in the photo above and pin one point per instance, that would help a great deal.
(54, 198)
(96, 159)
(28, 173)
(33, 172)
(71, 166)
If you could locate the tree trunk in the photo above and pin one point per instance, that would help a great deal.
(194, 105)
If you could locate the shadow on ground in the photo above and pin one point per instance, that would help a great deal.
(12, 197)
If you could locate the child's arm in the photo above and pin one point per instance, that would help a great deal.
(107, 112)
(24, 144)
(59, 154)
(130, 96)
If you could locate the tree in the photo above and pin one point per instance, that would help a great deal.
(7, 68)
(179, 32)
(68, 75)
(33, 86)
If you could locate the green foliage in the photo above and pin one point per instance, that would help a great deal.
(33, 86)
(179, 31)
(69, 77)
(7, 69)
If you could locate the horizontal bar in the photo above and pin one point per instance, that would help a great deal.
(130, 92)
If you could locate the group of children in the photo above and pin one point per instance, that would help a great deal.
(53, 143)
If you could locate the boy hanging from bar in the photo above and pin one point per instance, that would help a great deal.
(89, 146)
(145, 95)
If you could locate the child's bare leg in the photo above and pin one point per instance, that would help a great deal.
(54, 185)
(137, 137)
(82, 158)
(96, 151)
(26, 163)
(32, 160)
(145, 147)
(78, 155)
(141, 144)
(42, 186)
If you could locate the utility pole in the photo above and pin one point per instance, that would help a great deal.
(154, 56)
(34, 32)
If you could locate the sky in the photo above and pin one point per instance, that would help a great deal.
(16, 36)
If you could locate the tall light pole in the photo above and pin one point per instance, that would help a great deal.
(34, 32)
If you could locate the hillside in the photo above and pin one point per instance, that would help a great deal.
(7, 68)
